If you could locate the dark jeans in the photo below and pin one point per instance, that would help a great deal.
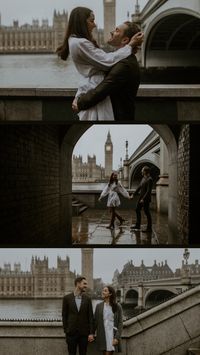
(145, 206)
(76, 340)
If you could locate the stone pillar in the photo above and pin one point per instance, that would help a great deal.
(126, 175)
(122, 300)
(162, 185)
(140, 296)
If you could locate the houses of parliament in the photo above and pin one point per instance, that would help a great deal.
(91, 172)
(43, 38)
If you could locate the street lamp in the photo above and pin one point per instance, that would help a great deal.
(186, 255)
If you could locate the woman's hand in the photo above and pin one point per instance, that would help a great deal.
(137, 40)
(75, 106)
(115, 342)
(90, 338)
(131, 197)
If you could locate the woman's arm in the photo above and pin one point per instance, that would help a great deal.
(105, 192)
(98, 58)
(123, 191)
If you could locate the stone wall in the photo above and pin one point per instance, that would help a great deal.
(170, 329)
(183, 182)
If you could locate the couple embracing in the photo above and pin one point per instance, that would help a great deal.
(109, 80)
(81, 325)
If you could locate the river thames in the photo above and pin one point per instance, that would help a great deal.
(42, 70)
(35, 309)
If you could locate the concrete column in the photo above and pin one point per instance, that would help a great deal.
(162, 186)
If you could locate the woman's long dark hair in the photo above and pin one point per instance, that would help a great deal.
(77, 25)
(112, 179)
(112, 299)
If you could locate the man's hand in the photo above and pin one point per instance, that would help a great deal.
(90, 338)
(75, 106)
(137, 40)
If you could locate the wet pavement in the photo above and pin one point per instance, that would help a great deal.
(90, 228)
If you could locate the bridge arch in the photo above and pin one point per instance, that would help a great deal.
(156, 296)
(131, 297)
(135, 173)
(71, 137)
(172, 39)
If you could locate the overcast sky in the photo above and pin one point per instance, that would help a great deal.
(26, 10)
(105, 266)
(92, 142)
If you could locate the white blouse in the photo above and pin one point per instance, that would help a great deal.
(112, 192)
(92, 63)
(108, 318)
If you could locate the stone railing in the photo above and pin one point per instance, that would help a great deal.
(170, 328)
(154, 103)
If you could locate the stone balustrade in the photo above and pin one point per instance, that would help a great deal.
(154, 103)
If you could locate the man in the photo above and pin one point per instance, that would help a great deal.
(122, 81)
(145, 189)
(77, 316)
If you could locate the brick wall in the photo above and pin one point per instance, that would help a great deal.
(29, 166)
(183, 181)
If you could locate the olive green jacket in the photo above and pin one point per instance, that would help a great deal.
(99, 327)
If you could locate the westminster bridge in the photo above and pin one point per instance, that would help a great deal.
(146, 294)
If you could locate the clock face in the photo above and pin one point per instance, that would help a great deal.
(108, 148)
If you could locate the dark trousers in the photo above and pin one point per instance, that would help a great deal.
(77, 340)
(145, 206)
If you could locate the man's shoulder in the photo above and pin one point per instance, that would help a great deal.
(68, 296)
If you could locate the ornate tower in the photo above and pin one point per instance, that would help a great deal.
(60, 22)
(109, 17)
(108, 156)
(87, 265)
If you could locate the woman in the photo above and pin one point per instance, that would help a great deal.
(90, 61)
(112, 190)
(108, 322)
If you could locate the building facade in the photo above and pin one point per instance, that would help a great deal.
(91, 172)
(86, 171)
(132, 274)
(41, 281)
(35, 37)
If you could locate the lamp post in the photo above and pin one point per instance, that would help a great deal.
(186, 280)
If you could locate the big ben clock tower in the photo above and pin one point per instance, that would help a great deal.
(109, 17)
(108, 156)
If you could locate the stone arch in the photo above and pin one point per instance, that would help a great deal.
(69, 140)
(156, 296)
(178, 37)
(131, 297)
(135, 174)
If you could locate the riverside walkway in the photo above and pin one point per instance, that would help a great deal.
(90, 228)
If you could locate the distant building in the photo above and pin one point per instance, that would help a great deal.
(86, 171)
(40, 281)
(108, 156)
(193, 269)
(132, 274)
(91, 172)
(34, 38)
